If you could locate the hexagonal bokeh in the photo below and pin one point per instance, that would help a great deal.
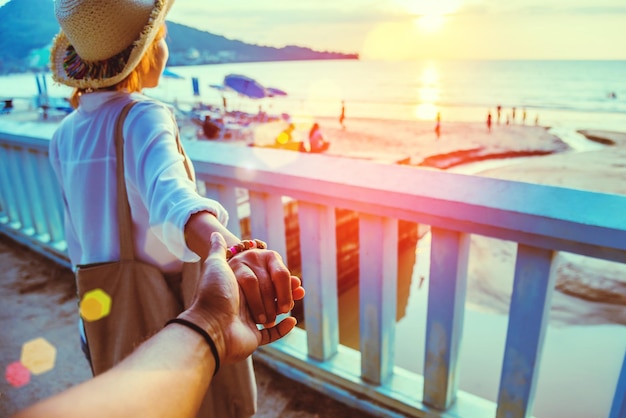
(96, 304)
(38, 355)
(17, 375)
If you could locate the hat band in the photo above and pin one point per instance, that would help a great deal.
(78, 69)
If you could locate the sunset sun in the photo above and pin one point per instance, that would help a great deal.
(429, 15)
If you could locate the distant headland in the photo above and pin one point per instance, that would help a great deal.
(25, 38)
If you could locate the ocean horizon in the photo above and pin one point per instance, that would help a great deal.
(576, 94)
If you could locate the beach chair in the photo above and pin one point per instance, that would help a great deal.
(7, 106)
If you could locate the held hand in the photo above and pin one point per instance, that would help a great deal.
(220, 308)
(267, 284)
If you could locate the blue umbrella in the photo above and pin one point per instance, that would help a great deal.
(272, 91)
(171, 74)
(245, 86)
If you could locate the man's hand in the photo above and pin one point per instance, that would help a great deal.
(221, 309)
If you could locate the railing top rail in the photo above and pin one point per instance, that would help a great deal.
(457, 201)
(560, 218)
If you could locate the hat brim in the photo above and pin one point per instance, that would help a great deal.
(140, 46)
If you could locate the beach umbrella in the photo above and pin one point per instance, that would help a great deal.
(195, 83)
(245, 86)
(273, 92)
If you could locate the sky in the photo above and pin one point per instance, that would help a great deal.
(421, 29)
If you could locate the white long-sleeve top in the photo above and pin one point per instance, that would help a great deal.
(161, 196)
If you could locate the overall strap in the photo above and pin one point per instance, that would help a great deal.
(125, 225)
(179, 145)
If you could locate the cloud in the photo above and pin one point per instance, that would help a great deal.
(543, 7)
(346, 25)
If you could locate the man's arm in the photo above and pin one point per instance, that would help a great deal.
(169, 374)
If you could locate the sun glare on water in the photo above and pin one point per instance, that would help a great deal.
(428, 94)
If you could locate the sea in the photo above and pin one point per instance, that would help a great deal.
(580, 363)
(577, 94)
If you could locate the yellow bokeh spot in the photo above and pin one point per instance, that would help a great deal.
(96, 304)
(38, 356)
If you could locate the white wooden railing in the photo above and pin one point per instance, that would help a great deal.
(541, 219)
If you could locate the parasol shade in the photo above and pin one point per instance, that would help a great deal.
(273, 91)
(245, 86)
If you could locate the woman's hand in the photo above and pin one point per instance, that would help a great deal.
(267, 284)
(220, 307)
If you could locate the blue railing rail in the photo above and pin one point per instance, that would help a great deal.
(542, 220)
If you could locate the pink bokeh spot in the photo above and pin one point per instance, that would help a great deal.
(17, 374)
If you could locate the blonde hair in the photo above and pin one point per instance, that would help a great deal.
(134, 81)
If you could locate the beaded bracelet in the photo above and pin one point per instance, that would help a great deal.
(204, 335)
(246, 244)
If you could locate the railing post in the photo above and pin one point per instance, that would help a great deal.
(378, 277)
(528, 318)
(227, 197)
(18, 189)
(7, 198)
(51, 193)
(31, 189)
(318, 247)
(267, 221)
(618, 409)
(444, 327)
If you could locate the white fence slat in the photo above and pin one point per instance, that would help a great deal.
(227, 197)
(7, 199)
(34, 197)
(267, 222)
(51, 194)
(378, 276)
(318, 247)
(18, 190)
(618, 408)
(444, 324)
(528, 319)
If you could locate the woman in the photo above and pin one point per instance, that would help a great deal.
(317, 143)
(172, 223)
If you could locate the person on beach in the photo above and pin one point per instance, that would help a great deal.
(342, 116)
(172, 222)
(210, 129)
(513, 115)
(499, 110)
(285, 140)
(317, 143)
(524, 116)
(489, 121)
(438, 125)
(216, 330)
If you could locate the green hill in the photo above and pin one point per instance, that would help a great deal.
(28, 26)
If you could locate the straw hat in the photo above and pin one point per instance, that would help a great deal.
(102, 41)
